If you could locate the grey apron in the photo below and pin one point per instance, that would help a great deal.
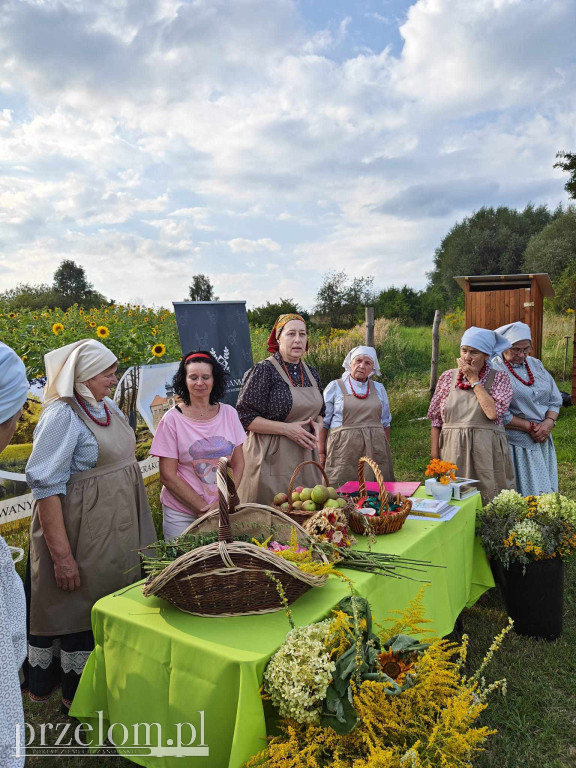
(361, 434)
(107, 517)
(476, 445)
(271, 459)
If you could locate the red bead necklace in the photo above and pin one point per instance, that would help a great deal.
(360, 397)
(528, 371)
(461, 384)
(84, 407)
(294, 383)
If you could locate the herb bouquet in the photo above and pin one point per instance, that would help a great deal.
(353, 696)
(527, 540)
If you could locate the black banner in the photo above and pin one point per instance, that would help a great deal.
(221, 327)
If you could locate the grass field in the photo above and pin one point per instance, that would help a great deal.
(536, 721)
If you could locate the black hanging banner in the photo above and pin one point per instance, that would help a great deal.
(221, 327)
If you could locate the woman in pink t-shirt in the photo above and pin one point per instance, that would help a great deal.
(191, 438)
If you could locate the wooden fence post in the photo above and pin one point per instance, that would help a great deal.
(435, 345)
(369, 326)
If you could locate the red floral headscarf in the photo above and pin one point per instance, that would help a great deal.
(278, 325)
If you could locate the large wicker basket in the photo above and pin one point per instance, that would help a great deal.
(388, 521)
(231, 578)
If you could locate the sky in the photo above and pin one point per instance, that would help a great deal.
(266, 142)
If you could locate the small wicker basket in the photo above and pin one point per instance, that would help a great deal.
(388, 521)
(231, 578)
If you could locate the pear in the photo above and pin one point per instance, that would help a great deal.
(297, 505)
(319, 494)
(332, 492)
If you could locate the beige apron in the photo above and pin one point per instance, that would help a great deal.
(107, 517)
(271, 459)
(361, 434)
(476, 445)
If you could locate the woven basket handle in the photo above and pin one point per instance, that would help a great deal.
(227, 499)
(383, 495)
(295, 473)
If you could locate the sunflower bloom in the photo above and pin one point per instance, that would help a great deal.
(158, 350)
(92, 324)
(57, 329)
(102, 332)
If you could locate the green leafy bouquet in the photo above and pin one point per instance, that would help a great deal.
(521, 529)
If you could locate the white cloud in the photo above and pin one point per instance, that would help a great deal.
(239, 245)
(150, 140)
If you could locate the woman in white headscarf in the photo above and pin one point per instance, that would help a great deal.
(466, 413)
(90, 516)
(358, 418)
(532, 415)
(13, 394)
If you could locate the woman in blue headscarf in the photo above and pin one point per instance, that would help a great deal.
(532, 415)
(466, 413)
(13, 394)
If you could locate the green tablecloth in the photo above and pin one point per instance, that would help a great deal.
(155, 664)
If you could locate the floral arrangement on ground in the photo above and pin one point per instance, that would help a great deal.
(350, 697)
(521, 529)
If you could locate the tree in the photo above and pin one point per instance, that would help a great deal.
(567, 162)
(27, 296)
(341, 303)
(490, 242)
(553, 250)
(201, 289)
(267, 314)
(71, 283)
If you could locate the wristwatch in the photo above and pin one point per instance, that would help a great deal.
(475, 384)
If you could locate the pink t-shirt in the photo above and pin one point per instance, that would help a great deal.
(197, 445)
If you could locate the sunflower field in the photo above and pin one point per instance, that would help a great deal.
(137, 335)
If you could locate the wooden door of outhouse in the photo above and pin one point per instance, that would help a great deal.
(495, 300)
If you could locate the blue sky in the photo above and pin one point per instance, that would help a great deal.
(265, 142)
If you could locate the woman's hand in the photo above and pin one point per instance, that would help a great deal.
(67, 574)
(300, 432)
(471, 371)
(541, 432)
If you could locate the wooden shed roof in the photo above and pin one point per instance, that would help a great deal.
(512, 281)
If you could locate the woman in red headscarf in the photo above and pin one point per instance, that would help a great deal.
(281, 407)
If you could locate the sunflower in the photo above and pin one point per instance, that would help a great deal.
(394, 666)
(102, 332)
(153, 331)
(158, 350)
(92, 324)
(24, 358)
(12, 314)
(57, 328)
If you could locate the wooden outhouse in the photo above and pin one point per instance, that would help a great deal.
(495, 300)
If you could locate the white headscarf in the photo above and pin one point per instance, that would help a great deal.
(13, 383)
(489, 342)
(515, 332)
(369, 352)
(69, 366)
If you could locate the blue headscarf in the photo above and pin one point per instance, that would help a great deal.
(13, 383)
(489, 342)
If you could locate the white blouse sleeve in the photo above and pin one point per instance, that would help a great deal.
(382, 394)
(330, 396)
